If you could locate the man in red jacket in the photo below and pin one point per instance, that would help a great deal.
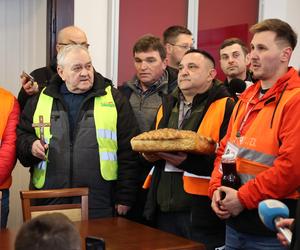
(9, 117)
(263, 135)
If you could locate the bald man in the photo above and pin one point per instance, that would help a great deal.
(66, 36)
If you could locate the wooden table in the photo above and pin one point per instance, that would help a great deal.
(119, 234)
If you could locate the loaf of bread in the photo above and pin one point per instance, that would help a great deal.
(172, 140)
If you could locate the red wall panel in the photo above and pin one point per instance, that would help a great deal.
(139, 17)
(219, 20)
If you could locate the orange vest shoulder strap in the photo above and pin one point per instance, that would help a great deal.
(212, 121)
(159, 116)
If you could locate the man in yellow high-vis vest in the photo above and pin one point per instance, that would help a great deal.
(87, 127)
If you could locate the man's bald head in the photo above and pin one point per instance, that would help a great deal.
(71, 35)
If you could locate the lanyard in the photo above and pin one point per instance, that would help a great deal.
(245, 118)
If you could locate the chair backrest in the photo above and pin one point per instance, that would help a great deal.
(74, 212)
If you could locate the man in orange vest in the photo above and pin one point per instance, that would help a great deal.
(178, 196)
(263, 135)
(9, 117)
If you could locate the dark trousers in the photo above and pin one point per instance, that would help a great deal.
(136, 212)
(4, 207)
(179, 223)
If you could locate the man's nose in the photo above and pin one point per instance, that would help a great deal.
(84, 71)
(231, 59)
(252, 54)
(144, 65)
(183, 71)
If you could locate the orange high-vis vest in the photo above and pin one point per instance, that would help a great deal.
(259, 146)
(210, 126)
(6, 108)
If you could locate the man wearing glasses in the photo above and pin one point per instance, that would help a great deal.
(42, 76)
(177, 41)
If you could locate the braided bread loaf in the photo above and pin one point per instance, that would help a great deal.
(172, 140)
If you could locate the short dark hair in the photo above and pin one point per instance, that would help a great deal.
(150, 43)
(48, 232)
(171, 33)
(282, 29)
(234, 40)
(204, 53)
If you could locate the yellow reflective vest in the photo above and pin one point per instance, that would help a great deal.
(105, 118)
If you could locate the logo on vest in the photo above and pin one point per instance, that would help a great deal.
(245, 141)
(108, 104)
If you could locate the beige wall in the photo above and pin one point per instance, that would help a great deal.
(22, 47)
(286, 10)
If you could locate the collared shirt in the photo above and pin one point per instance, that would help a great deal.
(185, 110)
(153, 87)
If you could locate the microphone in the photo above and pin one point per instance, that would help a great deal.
(237, 85)
(270, 212)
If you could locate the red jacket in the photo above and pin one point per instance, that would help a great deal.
(9, 117)
(282, 178)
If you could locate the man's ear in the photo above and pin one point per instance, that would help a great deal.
(60, 72)
(169, 48)
(286, 54)
(165, 64)
(212, 74)
(247, 59)
(57, 47)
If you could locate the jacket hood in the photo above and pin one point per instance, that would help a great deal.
(288, 81)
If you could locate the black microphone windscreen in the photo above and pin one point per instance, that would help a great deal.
(237, 85)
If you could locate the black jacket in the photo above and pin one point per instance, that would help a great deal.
(42, 76)
(75, 163)
(295, 245)
(201, 212)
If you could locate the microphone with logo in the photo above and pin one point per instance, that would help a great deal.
(236, 86)
(270, 212)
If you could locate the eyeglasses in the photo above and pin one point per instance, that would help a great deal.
(82, 44)
(185, 47)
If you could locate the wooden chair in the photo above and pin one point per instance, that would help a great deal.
(74, 212)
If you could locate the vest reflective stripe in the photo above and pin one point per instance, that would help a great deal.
(210, 126)
(108, 134)
(44, 108)
(105, 117)
(108, 156)
(256, 156)
(195, 176)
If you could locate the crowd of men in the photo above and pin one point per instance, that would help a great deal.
(88, 124)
